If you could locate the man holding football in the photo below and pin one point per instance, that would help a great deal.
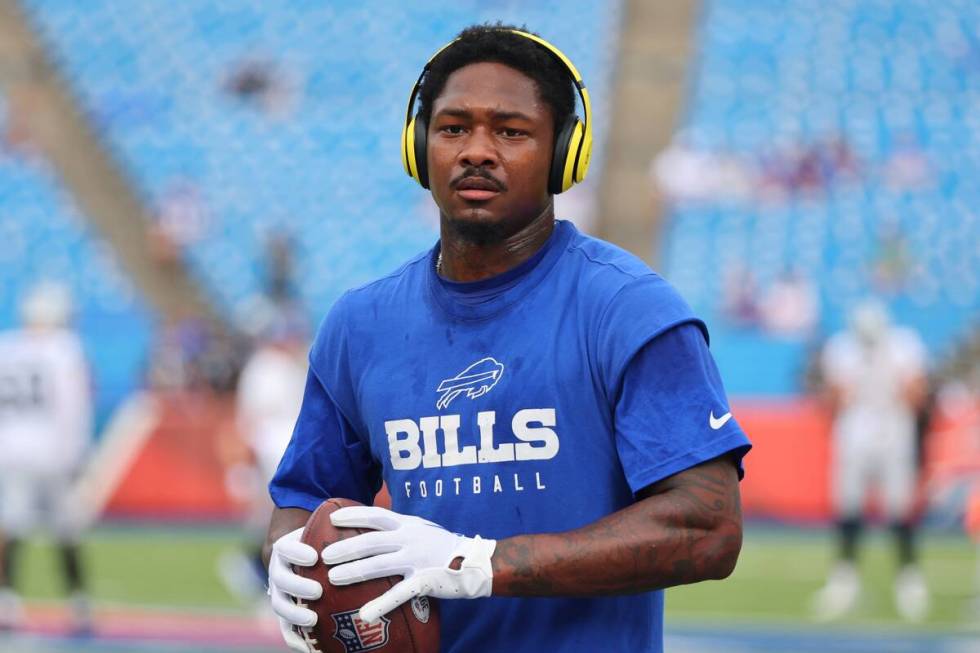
(542, 406)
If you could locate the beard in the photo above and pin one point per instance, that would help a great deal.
(480, 232)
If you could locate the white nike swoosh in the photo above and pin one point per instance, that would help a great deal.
(718, 422)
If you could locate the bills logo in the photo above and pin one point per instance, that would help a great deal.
(476, 380)
(357, 635)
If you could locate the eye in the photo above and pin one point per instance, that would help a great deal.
(454, 130)
(510, 132)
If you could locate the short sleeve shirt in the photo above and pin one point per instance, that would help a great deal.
(537, 401)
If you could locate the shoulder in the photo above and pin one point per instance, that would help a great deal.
(603, 259)
(367, 303)
(63, 348)
(66, 339)
(904, 337)
(9, 338)
(906, 344)
(11, 348)
(390, 286)
(623, 286)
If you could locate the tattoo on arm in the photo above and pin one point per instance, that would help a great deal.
(684, 529)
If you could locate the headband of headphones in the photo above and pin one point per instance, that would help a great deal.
(573, 142)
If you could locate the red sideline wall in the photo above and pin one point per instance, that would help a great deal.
(786, 473)
(788, 470)
(180, 472)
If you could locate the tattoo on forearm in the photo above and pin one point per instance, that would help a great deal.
(686, 529)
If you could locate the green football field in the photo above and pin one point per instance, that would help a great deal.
(779, 570)
(765, 602)
(154, 566)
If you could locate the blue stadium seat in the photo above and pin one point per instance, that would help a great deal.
(45, 237)
(878, 74)
(327, 169)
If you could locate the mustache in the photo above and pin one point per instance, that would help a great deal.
(476, 171)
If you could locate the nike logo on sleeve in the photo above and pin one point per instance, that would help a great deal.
(718, 422)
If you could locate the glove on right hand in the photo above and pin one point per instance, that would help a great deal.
(287, 588)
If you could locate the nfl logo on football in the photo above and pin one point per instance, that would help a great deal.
(357, 635)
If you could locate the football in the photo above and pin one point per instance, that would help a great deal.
(412, 628)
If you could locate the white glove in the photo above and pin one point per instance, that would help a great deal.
(408, 546)
(288, 589)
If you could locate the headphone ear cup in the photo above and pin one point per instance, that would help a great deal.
(584, 156)
(408, 149)
(571, 159)
(559, 159)
(562, 176)
(421, 131)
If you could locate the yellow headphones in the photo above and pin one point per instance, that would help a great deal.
(573, 143)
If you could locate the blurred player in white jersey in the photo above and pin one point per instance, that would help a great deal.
(270, 391)
(45, 433)
(875, 374)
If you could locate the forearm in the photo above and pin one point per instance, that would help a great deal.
(683, 532)
(284, 520)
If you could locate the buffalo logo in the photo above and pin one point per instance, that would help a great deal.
(476, 380)
(357, 635)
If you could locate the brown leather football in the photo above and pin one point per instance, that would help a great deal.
(412, 628)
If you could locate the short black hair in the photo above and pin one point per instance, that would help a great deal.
(498, 44)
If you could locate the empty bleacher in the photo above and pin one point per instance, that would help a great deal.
(895, 84)
(44, 237)
(237, 121)
(314, 154)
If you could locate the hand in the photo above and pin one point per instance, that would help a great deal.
(286, 587)
(408, 546)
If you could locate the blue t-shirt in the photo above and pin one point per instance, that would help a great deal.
(536, 401)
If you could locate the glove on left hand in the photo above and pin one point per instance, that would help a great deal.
(412, 547)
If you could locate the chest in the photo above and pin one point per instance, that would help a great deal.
(439, 394)
(433, 365)
(874, 372)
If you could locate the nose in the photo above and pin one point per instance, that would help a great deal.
(478, 149)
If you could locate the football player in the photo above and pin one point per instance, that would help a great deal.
(45, 432)
(542, 406)
(875, 374)
(270, 388)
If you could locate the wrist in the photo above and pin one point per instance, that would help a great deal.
(477, 566)
(516, 569)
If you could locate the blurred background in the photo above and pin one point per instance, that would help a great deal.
(186, 187)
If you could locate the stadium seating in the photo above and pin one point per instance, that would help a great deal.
(315, 157)
(896, 83)
(46, 238)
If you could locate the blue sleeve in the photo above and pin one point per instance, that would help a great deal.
(638, 312)
(671, 412)
(327, 457)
